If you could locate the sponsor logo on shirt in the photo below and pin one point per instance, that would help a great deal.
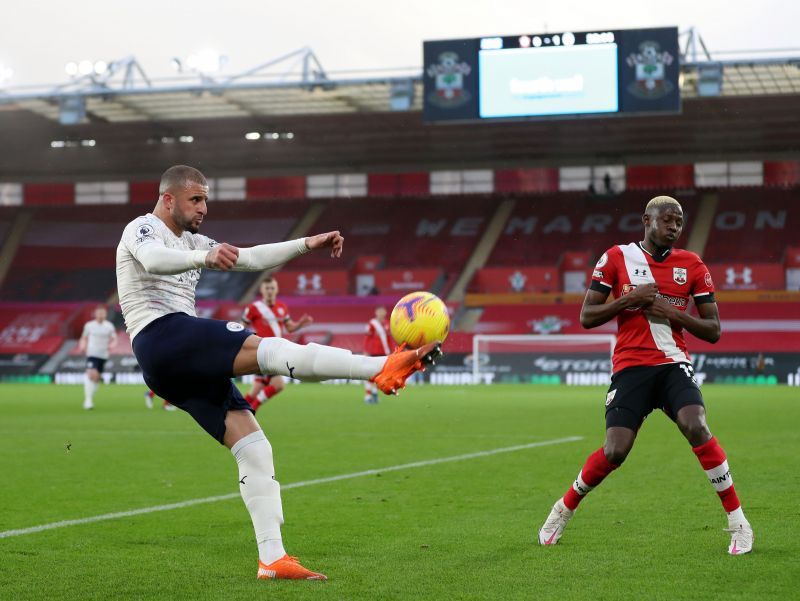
(144, 232)
(597, 274)
(675, 301)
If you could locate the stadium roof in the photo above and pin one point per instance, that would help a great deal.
(314, 123)
(312, 92)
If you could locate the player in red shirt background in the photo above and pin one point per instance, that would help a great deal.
(651, 283)
(377, 342)
(268, 317)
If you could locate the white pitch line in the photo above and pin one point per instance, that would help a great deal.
(189, 503)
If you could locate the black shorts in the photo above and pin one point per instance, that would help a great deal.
(189, 361)
(95, 363)
(636, 391)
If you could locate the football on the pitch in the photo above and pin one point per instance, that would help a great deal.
(419, 318)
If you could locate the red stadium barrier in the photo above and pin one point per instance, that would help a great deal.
(748, 276)
(659, 177)
(535, 180)
(313, 282)
(516, 279)
(264, 188)
(398, 184)
(783, 174)
(403, 281)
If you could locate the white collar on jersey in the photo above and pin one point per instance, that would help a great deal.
(657, 258)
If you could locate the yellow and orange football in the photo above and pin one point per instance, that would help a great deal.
(419, 318)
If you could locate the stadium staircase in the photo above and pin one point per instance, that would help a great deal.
(466, 318)
(15, 235)
(703, 221)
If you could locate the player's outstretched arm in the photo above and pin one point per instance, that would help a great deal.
(595, 311)
(292, 325)
(269, 256)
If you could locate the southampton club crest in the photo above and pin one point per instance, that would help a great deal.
(650, 64)
(448, 75)
(679, 275)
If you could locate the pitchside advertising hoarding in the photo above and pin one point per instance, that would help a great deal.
(570, 368)
(604, 73)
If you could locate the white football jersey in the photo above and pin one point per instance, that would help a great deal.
(98, 337)
(145, 296)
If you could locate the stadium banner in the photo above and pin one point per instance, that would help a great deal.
(594, 368)
(516, 279)
(748, 276)
(403, 281)
(312, 282)
(21, 363)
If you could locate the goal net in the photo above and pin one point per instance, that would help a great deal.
(573, 359)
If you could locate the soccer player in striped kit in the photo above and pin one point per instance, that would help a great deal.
(269, 317)
(376, 343)
(652, 283)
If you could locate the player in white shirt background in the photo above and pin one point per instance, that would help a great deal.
(191, 361)
(97, 339)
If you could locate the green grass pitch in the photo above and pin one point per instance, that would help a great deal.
(455, 530)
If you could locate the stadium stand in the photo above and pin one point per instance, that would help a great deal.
(68, 253)
(412, 233)
(543, 228)
(755, 225)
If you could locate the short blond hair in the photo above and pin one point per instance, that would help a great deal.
(660, 202)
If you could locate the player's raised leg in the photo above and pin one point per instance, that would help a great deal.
(261, 493)
(315, 362)
(692, 423)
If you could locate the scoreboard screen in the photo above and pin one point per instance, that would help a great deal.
(546, 75)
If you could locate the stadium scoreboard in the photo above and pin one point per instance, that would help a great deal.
(550, 75)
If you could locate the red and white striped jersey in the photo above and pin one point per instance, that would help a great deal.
(378, 339)
(266, 320)
(679, 274)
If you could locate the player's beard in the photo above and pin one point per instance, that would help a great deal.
(186, 224)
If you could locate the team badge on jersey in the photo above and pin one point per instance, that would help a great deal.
(234, 327)
(679, 275)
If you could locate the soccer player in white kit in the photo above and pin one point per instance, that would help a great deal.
(96, 341)
(191, 361)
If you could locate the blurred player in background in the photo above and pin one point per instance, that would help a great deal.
(268, 318)
(96, 341)
(191, 361)
(652, 283)
(376, 343)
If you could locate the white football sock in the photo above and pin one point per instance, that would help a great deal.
(88, 388)
(736, 517)
(314, 362)
(261, 493)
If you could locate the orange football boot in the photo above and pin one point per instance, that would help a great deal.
(286, 568)
(401, 364)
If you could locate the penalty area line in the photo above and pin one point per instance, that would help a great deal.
(392, 468)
